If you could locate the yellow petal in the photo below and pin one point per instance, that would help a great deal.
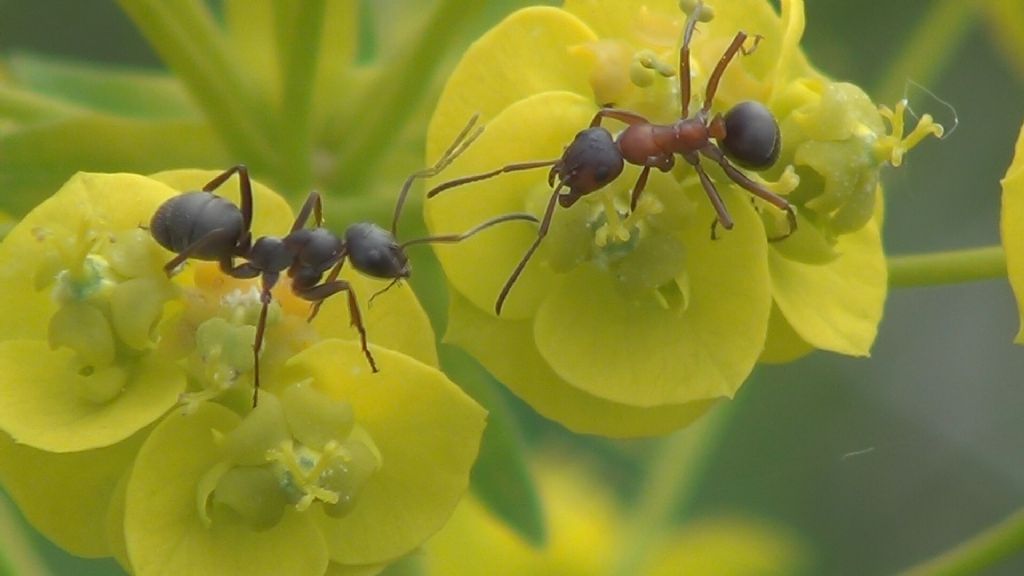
(103, 202)
(783, 344)
(67, 496)
(43, 405)
(1012, 227)
(507, 349)
(649, 355)
(428, 433)
(164, 533)
(526, 54)
(835, 306)
(394, 320)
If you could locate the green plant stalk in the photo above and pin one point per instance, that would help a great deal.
(953, 267)
(23, 106)
(979, 552)
(16, 553)
(924, 55)
(668, 487)
(1006, 20)
(184, 34)
(384, 107)
(299, 30)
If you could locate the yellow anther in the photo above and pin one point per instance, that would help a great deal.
(648, 59)
(706, 12)
(613, 230)
(894, 145)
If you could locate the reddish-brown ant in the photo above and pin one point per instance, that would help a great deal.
(204, 226)
(747, 134)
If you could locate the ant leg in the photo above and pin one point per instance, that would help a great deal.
(754, 188)
(541, 233)
(722, 215)
(268, 281)
(257, 346)
(321, 292)
(244, 188)
(453, 238)
(243, 271)
(485, 175)
(641, 183)
(716, 75)
(625, 116)
(312, 204)
(684, 61)
(212, 237)
(331, 278)
(455, 149)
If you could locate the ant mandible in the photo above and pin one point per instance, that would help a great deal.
(747, 134)
(204, 226)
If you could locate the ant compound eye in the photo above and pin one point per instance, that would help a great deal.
(752, 136)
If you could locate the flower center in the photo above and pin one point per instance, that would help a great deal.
(297, 450)
(110, 292)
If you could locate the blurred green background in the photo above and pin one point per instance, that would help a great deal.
(874, 463)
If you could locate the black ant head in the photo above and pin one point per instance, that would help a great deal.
(589, 163)
(372, 250)
(752, 137)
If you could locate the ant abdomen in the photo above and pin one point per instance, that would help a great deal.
(590, 162)
(184, 219)
(752, 137)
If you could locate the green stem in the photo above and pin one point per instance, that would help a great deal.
(975, 554)
(1006, 21)
(298, 39)
(386, 104)
(668, 487)
(926, 52)
(16, 552)
(185, 35)
(24, 106)
(970, 265)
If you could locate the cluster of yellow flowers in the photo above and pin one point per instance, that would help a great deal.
(127, 427)
(636, 328)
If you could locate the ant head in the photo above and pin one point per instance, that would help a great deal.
(373, 250)
(590, 162)
(752, 137)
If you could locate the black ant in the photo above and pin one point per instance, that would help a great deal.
(204, 226)
(747, 134)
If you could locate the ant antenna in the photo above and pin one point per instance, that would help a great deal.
(369, 302)
(457, 147)
(453, 238)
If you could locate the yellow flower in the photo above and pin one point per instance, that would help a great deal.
(337, 465)
(634, 325)
(1012, 227)
(586, 538)
(347, 467)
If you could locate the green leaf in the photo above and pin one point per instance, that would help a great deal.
(37, 160)
(501, 478)
(132, 93)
